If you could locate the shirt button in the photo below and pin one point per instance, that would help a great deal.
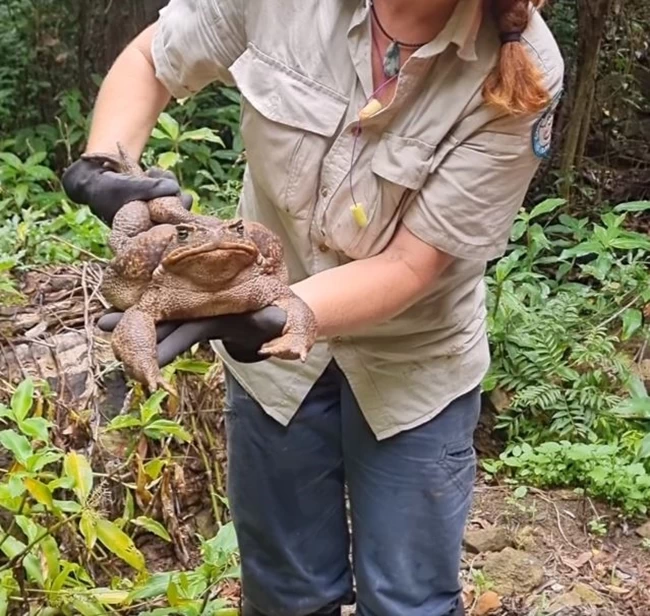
(324, 192)
(337, 339)
(323, 247)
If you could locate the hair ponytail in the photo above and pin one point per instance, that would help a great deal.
(515, 84)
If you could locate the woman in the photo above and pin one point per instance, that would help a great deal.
(389, 144)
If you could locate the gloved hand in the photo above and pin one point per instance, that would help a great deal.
(242, 334)
(87, 182)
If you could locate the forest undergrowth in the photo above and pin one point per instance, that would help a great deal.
(567, 307)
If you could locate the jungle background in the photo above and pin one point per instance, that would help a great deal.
(114, 502)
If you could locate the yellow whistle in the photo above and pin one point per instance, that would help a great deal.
(373, 107)
(359, 214)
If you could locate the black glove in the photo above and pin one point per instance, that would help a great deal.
(87, 182)
(242, 334)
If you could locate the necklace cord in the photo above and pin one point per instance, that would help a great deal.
(388, 36)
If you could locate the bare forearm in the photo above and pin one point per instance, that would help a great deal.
(370, 291)
(129, 101)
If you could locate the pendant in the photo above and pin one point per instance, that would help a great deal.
(391, 60)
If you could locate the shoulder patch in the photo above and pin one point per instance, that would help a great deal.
(543, 129)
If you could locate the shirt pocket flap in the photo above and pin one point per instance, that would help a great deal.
(403, 160)
(283, 95)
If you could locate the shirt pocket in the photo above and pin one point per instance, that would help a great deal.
(288, 122)
(399, 167)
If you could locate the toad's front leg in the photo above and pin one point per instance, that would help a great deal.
(134, 343)
(299, 333)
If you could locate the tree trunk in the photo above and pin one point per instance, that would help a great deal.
(592, 20)
(124, 19)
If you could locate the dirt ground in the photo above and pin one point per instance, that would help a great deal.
(553, 527)
(544, 555)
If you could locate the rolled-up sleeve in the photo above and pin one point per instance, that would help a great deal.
(469, 202)
(195, 43)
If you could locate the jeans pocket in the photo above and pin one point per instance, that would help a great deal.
(459, 462)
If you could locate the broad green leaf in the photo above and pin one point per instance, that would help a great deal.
(168, 159)
(17, 444)
(631, 242)
(169, 125)
(632, 320)
(194, 366)
(151, 406)
(174, 594)
(52, 557)
(122, 422)
(129, 506)
(168, 611)
(76, 466)
(4, 600)
(218, 550)
(31, 529)
(5, 411)
(521, 492)
(108, 596)
(22, 398)
(65, 576)
(518, 229)
(633, 408)
(20, 194)
(41, 173)
(636, 386)
(88, 528)
(154, 467)
(633, 206)
(68, 506)
(42, 458)
(644, 447)
(40, 492)
(165, 427)
(546, 206)
(86, 608)
(202, 134)
(35, 159)
(12, 547)
(15, 487)
(119, 543)
(36, 427)
(156, 133)
(12, 160)
(152, 526)
(155, 586)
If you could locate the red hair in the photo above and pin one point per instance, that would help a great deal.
(515, 85)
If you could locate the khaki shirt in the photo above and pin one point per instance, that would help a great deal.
(438, 159)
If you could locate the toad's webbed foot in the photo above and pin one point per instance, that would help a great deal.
(134, 343)
(287, 346)
(299, 332)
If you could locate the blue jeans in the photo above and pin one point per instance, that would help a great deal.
(409, 497)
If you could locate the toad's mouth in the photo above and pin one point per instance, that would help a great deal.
(180, 254)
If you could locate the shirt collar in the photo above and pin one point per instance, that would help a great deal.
(461, 29)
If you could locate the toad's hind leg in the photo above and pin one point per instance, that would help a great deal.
(134, 343)
(299, 332)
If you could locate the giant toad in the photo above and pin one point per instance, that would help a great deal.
(188, 266)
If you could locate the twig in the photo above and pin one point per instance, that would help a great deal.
(619, 312)
(557, 512)
(13, 350)
(92, 386)
(208, 471)
(50, 531)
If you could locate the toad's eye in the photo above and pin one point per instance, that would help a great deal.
(182, 233)
(238, 227)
